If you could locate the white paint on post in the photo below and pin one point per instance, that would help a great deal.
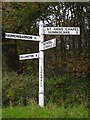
(41, 66)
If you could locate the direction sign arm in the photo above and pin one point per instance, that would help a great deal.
(22, 36)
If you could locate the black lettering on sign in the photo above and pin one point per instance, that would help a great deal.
(66, 32)
(30, 37)
(26, 56)
(59, 32)
(48, 46)
(41, 76)
(48, 28)
(31, 55)
(57, 28)
(35, 38)
(76, 32)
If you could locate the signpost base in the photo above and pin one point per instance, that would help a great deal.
(41, 99)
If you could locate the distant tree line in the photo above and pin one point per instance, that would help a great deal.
(72, 52)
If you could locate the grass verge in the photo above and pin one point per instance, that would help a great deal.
(50, 111)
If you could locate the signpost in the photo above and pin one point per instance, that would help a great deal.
(43, 46)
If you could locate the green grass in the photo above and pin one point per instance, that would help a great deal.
(0, 113)
(51, 111)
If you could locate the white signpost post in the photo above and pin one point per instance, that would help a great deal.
(41, 66)
(43, 46)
